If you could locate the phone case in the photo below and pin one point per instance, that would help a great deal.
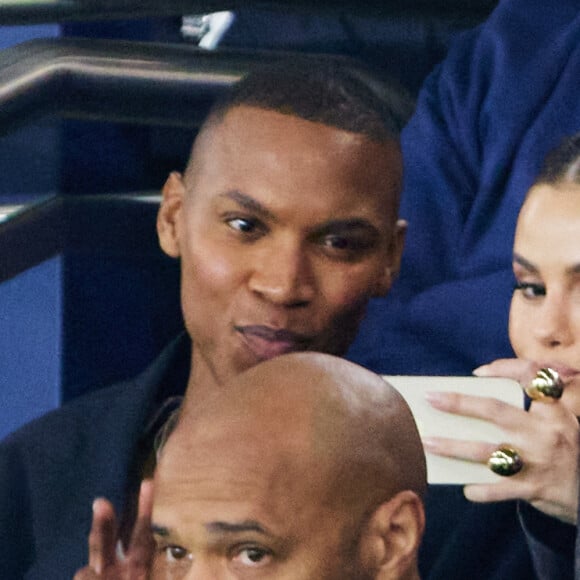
(434, 423)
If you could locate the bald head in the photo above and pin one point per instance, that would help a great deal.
(334, 412)
(305, 446)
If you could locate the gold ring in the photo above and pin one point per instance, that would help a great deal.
(546, 386)
(505, 461)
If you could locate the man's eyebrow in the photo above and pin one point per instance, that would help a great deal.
(237, 527)
(249, 203)
(525, 263)
(160, 530)
(349, 224)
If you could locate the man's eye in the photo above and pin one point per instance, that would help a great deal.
(243, 225)
(253, 556)
(176, 554)
(346, 243)
(530, 290)
(338, 242)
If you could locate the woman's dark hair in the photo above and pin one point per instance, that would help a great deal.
(562, 164)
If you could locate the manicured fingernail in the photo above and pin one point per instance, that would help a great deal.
(480, 371)
(433, 397)
(429, 443)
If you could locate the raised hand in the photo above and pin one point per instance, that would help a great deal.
(546, 438)
(107, 561)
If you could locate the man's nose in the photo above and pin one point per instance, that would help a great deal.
(202, 570)
(283, 274)
(551, 324)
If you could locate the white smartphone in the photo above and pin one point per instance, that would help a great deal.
(434, 423)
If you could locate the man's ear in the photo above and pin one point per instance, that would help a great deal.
(390, 541)
(393, 263)
(168, 224)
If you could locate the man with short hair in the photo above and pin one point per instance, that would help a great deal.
(285, 224)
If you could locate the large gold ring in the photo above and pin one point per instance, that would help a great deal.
(505, 461)
(546, 386)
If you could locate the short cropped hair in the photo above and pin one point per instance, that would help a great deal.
(337, 92)
(562, 164)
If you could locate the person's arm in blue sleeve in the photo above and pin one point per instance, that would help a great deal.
(484, 121)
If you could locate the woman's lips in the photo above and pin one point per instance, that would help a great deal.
(566, 373)
(266, 342)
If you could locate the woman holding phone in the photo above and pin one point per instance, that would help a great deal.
(539, 460)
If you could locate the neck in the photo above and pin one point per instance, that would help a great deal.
(202, 383)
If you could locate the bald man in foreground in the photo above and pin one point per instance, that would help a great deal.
(305, 467)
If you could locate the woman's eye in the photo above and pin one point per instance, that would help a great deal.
(176, 554)
(253, 556)
(531, 290)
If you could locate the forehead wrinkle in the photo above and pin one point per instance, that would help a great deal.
(232, 467)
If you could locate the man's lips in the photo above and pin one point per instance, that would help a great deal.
(266, 342)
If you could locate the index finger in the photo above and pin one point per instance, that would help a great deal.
(86, 573)
(521, 370)
(141, 548)
(103, 536)
(486, 408)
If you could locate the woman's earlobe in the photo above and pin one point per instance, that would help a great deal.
(168, 226)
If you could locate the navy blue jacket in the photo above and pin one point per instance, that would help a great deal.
(52, 469)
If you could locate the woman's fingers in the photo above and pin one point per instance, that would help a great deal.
(477, 451)
(504, 415)
(511, 488)
(520, 370)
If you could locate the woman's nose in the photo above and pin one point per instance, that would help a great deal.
(552, 322)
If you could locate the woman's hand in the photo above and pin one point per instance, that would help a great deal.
(105, 561)
(546, 438)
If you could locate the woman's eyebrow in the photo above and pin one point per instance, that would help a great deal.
(524, 263)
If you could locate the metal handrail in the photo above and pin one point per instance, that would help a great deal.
(136, 82)
(116, 80)
(14, 12)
